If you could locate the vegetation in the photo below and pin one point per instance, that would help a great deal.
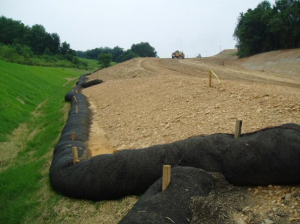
(92, 65)
(118, 54)
(127, 55)
(33, 103)
(105, 59)
(143, 50)
(34, 96)
(267, 28)
(34, 46)
(25, 89)
(22, 88)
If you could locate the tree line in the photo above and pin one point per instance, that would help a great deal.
(33, 45)
(268, 28)
(118, 54)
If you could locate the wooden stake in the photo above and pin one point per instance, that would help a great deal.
(76, 109)
(238, 128)
(75, 99)
(89, 154)
(76, 91)
(166, 177)
(210, 78)
(75, 155)
(73, 136)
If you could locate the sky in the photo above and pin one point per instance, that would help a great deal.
(193, 26)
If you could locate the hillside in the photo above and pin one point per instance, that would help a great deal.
(142, 102)
(279, 63)
(23, 88)
(149, 101)
(32, 114)
(179, 96)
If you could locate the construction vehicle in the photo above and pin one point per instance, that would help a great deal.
(178, 54)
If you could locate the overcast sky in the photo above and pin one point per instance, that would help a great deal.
(193, 26)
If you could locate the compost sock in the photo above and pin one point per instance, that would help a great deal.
(269, 156)
(171, 205)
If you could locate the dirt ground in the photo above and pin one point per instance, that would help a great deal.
(227, 204)
(149, 101)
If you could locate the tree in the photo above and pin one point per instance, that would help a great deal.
(143, 50)
(64, 48)
(12, 32)
(266, 28)
(37, 39)
(20, 43)
(285, 24)
(47, 52)
(117, 52)
(127, 55)
(54, 44)
(81, 54)
(105, 59)
(252, 30)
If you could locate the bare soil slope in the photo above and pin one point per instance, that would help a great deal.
(148, 101)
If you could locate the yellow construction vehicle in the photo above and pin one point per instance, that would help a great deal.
(178, 54)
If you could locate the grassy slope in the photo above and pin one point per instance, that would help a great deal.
(93, 64)
(28, 84)
(25, 192)
(22, 89)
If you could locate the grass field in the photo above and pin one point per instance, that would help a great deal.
(32, 103)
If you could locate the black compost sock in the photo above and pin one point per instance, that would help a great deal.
(172, 205)
(91, 83)
(269, 156)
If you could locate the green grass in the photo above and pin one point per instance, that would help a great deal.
(21, 177)
(22, 88)
(17, 186)
(93, 64)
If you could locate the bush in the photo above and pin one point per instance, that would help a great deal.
(22, 54)
(9, 54)
(105, 59)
